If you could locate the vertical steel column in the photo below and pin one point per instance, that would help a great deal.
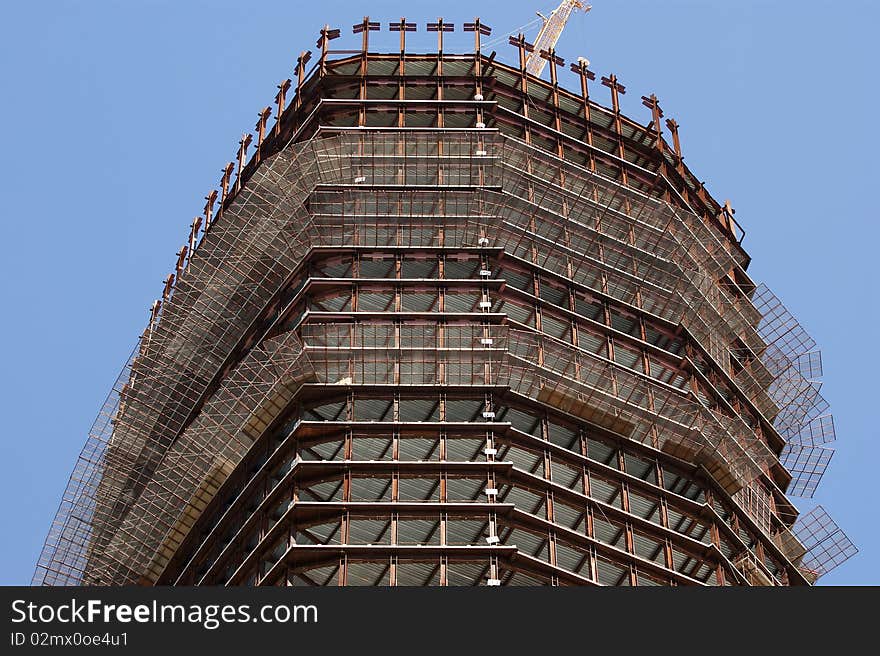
(210, 199)
(327, 34)
(224, 186)
(617, 89)
(585, 75)
(652, 103)
(194, 233)
(301, 62)
(479, 30)
(243, 144)
(280, 99)
(402, 27)
(522, 47)
(261, 131)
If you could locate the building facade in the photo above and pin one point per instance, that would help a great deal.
(453, 324)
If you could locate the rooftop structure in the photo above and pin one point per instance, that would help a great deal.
(450, 323)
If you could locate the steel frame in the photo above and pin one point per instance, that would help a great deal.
(591, 249)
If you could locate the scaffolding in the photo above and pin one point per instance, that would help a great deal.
(215, 368)
(65, 554)
(660, 260)
(826, 545)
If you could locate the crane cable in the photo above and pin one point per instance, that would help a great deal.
(537, 21)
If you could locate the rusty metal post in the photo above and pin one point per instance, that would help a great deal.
(261, 130)
(364, 28)
(154, 314)
(243, 144)
(169, 284)
(301, 62)
(403, 27)
(726, 217)
(586, 75)
(479, 31)
(280, 99)
(673, 126)
(323, 42)
(210, 199)
(181, 261)
(224, 184)
(550, 56)
(440, 27)
(653, 103)
(194, 233)
(522, 47)
(617, 90)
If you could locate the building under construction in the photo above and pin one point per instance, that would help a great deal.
(447, 322)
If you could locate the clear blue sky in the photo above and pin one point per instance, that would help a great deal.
(118, 116)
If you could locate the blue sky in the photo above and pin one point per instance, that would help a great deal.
(118, 117)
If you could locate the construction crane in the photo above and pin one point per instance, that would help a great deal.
(550, 32)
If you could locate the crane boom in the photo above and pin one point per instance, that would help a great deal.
(550, 32)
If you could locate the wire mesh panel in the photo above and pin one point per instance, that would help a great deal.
(615, 397)
(807, 464)
(728, 326)
(144, 534)
(64, 556)
(827, 547)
